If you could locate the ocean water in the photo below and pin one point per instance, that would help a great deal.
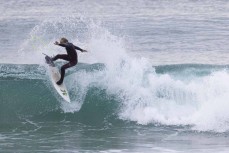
(155, 79)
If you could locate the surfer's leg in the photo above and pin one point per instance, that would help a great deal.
(63, 68)
(61, 56)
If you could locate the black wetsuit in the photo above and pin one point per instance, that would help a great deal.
(71, 57)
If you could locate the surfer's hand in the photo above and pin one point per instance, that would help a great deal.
(56, 43)
(84, 50)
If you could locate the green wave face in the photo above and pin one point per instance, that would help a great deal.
(165, 95)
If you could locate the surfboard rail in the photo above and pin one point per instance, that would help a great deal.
(54, 75)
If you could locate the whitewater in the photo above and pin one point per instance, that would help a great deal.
(155, 78)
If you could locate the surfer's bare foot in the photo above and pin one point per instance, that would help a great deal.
(59, 82)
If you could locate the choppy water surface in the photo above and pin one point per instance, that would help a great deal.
(155, 78)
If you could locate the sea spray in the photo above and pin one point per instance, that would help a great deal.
(143, 95)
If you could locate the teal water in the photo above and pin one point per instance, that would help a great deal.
(155, 78)
(35, 119)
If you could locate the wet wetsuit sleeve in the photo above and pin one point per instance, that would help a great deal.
(63, 45)
(78, 48)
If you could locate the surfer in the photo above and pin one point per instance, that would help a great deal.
(71, 56)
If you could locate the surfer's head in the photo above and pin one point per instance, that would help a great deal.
(63, 40)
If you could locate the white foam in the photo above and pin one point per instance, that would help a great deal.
(145, 97)
(202, 102)
(148, 97)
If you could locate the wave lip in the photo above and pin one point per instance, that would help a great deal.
(200, 102)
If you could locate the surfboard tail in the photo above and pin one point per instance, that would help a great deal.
(49, 60)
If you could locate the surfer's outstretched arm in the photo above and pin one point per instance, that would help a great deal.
(82, 50)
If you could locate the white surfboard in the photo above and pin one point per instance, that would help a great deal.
(55, 76)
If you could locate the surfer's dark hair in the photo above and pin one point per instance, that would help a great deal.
(64, 40)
